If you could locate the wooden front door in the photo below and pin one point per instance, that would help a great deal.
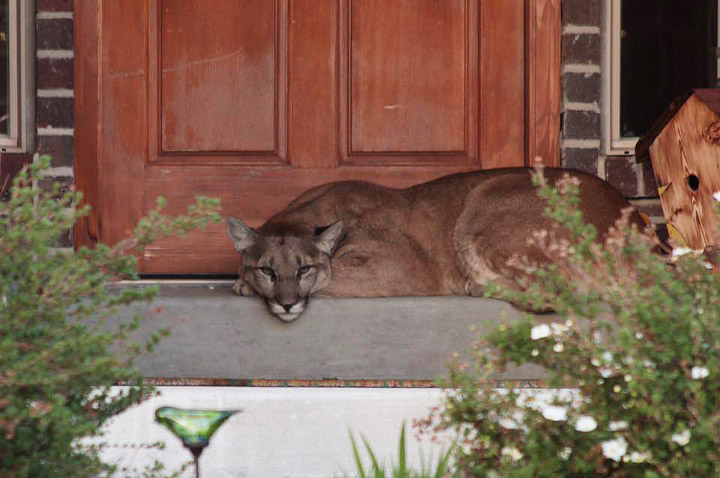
(256, 101)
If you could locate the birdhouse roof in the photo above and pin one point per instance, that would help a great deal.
(709, 96)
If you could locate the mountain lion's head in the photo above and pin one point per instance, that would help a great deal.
(285, 270)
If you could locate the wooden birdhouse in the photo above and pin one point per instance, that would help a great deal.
(684, 147)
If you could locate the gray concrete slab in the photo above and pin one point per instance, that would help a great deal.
(218, 335)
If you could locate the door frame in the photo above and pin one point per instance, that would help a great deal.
(543, 102)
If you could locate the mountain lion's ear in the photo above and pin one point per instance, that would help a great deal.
(242, 236)
(329, 239)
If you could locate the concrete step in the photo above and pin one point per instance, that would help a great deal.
(216, 335)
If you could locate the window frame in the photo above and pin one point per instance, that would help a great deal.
(614, 143)
(21, 76)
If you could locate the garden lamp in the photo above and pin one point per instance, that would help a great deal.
(193, 427)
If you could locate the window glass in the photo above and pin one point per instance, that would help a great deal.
(667, 48)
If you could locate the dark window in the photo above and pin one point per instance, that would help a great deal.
(668, 47)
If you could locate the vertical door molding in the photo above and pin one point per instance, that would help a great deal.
(544, 87)
(123, 138)
(314, 83)
(502, 83)
(87, 121)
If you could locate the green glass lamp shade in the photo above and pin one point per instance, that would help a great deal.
(193, 427)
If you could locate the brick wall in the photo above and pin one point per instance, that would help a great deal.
(582, 77)
(54, 83)
(54, 105)
(54, 97)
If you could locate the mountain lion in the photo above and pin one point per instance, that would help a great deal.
(449, 236)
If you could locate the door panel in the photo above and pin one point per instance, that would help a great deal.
(405, 55)
(256, 101)
(218, 75)
(217, 89)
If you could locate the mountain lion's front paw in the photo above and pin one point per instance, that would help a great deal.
(241, 288)
(473, 289)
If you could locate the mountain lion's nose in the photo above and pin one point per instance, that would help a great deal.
(287, 307)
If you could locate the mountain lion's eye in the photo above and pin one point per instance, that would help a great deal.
(268, 272)
(304, 270)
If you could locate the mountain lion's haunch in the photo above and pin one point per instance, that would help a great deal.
(450, 236)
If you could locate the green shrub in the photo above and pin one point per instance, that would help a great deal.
(56, 369)
(636, 339)
(399, 469)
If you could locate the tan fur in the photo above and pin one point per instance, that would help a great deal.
(450, 236)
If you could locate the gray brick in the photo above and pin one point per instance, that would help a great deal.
(56, 34)
(581, 159)
(581, 88)
(54, 73)
(55, 5)
(581, 125)
(581, 48)
(56, 112)
(582, 12)
(61, 148)
(621, 173)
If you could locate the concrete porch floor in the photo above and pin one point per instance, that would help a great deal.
(218, 335)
